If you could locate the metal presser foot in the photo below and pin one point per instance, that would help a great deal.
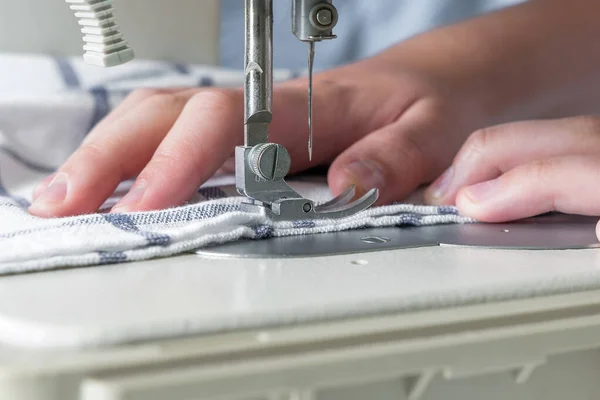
(260, 171)
(261, 167)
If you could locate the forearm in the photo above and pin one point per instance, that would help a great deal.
(537, 59)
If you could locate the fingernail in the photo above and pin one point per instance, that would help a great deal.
(42, 186)
(56, 192)
(440, 187)
(482, 192)
(134, 195)
(366, 175)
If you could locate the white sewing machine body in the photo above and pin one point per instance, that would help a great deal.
(432, 322)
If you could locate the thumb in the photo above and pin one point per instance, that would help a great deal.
(395, 159)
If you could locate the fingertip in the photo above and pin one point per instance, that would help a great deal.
(50, 200)
(466, 205)
(43, 185)
(478, 202)
(439, 192)
(41, 211)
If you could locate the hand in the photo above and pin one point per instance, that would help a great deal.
(381, 126)
(524, 169)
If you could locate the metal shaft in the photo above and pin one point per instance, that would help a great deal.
(258, 89)
(311, 61)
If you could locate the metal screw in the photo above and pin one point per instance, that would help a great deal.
(307, 207)
(270, 161)
(325, 17)
(376, 239)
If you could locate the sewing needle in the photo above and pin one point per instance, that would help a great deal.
(311, 60)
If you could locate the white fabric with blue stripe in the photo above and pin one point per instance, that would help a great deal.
(48, 105)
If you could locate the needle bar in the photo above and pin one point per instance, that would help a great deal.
(311, 60)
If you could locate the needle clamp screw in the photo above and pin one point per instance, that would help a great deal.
(323, 17)
(270, 161)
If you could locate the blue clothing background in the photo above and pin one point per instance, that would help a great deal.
(365, 28)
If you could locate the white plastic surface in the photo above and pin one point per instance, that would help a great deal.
(189, 295)
(535, 349)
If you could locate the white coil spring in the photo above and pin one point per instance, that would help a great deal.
(104, 43)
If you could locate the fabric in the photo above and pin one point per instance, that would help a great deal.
(365, 28)
(46, 108)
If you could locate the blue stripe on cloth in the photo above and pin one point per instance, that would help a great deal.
(101, 105)
(29, 164)
(263, 231)
(5, 193)
(304, 224)
(212, 193)
(409, 219)
(116, 257)
(127, 224)
(446, 210)
(181, 68)
(206, 81)
(67, 73)
(187, 214)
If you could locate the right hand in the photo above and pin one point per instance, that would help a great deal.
(386, 123)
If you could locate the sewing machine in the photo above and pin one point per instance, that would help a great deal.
(505, 311)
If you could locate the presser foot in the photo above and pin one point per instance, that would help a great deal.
(260, 176)
(301, 209)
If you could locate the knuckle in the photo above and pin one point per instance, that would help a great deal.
(99, 155)
(540, 169)
(479, 141)
(590, 125)
(169, 159)
(93, 152)
(162, 100)
(413, 150)
(165, 158)
(476, 146)
(541, 172)
(344, 92)
(146, 93)
(408, 150)
(166, 162)
(216, 99)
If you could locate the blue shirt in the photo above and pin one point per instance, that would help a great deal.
(365, 28)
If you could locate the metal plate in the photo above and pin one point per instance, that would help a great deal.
(548, 232)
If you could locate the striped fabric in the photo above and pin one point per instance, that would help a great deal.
(48, 105)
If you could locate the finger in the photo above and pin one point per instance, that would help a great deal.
(564, 184)
(131, 101)
(42, 186)
(397, 158)
(114, 153)
(134, 99)
(490, 152)
(197, 145)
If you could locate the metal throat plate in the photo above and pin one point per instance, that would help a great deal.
(548, 232)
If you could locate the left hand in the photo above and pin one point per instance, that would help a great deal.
(524, 169)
